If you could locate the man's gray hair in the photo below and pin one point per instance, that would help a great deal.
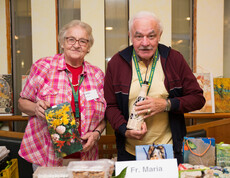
(143, 14)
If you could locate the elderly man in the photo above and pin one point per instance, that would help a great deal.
(173, 90)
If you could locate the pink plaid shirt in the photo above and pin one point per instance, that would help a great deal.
(48, 81)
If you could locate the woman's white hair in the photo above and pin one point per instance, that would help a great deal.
(76, 23)
(144, 14)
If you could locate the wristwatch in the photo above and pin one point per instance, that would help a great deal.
(99, 133)
(168, 106)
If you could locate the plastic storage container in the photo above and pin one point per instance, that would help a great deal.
(85, 169)
(12, 171)
(51, 172)
(109, 163)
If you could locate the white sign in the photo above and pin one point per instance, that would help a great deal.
(162, 168)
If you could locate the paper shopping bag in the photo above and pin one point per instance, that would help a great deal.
(223, 154)
(199, 151)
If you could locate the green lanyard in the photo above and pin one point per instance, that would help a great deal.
(155, 59)
(75, 95)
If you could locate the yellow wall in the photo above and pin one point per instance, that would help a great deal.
(3, 46)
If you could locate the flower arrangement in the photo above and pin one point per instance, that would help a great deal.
(63, 129)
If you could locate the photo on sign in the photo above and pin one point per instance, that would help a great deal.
(154, 152)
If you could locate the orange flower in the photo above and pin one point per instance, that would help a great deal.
(60, 143)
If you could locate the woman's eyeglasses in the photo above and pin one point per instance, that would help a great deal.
(72, 41)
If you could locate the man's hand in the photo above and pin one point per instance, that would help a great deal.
(150, 106)
(137, 134)
(40, 108)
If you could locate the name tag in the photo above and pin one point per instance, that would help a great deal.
(162, 168)
(90, 95)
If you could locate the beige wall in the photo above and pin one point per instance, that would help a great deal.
(210, 20)
(156, 7)
(227, 39)
(43, 18)
(3, 45)
(92, 12)
(210, 15)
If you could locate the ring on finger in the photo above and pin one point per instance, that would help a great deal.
(149, 111)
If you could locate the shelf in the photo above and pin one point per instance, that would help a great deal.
(187, 116)
(206, 115)
(13, 118)
(217, 129)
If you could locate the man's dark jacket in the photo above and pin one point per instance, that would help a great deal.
(185, 93)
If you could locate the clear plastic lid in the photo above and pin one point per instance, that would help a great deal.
(101, 168)
(87, 166)
(51, 172)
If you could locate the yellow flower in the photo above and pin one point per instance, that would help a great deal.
(65, 119)
(56, 122)
(50, 114)
(72, 122)
(59, 113)
(66, 108)
(63, 154)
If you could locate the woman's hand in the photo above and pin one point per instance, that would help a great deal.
(89, 140)
(31, 108)
(40, 108)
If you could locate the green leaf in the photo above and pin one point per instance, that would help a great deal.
(122, 174)
(191, 145)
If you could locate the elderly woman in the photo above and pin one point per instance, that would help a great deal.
(51, 82)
